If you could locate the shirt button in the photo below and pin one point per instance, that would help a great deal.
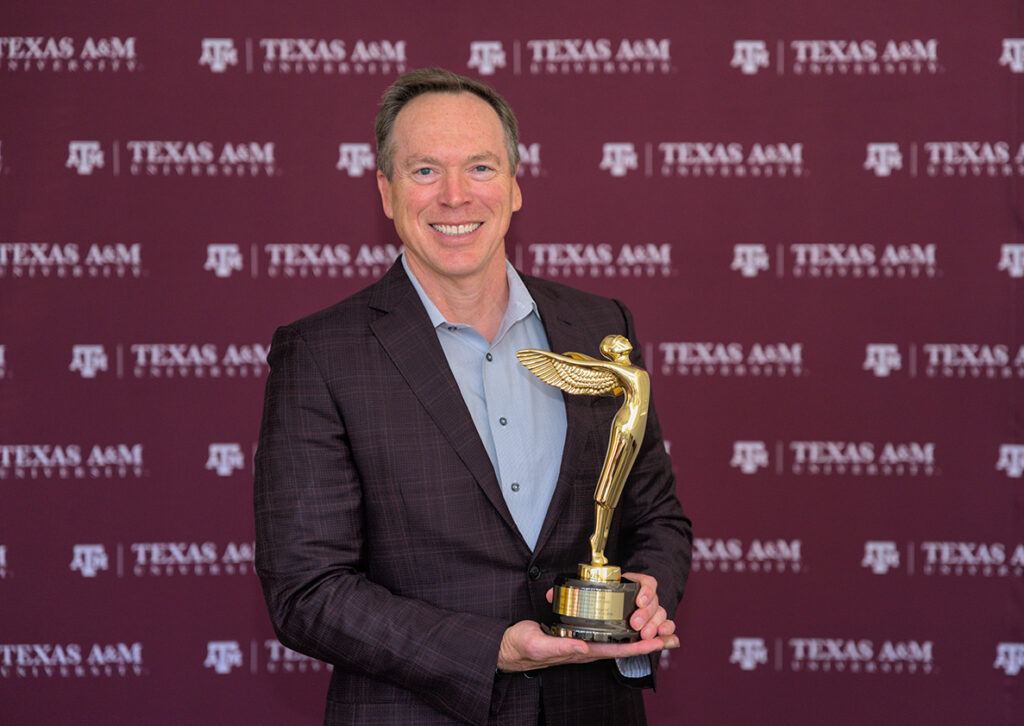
(503, 421)
(515, 486)
(490, 357)
(451, 328)
(534, 573)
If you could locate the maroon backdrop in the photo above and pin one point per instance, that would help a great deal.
(815, 214)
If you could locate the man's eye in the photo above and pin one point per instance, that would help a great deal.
(482, 168)
(423, 172)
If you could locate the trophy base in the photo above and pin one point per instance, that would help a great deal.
(594, 611)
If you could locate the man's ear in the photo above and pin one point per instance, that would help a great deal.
(384, 187)
(517, 195)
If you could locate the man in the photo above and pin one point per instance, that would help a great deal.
(417, 490)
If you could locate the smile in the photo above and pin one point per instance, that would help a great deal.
(454, 230)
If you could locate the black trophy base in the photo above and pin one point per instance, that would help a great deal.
(598, 612)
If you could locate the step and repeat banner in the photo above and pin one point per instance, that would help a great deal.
(813, 212)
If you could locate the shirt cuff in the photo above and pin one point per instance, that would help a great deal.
(637, 666)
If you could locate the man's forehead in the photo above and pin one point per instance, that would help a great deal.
(439, 100)
(447, 113)
(448, 127)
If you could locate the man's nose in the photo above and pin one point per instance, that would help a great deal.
(455, 191)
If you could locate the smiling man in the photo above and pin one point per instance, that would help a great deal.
(417, 490)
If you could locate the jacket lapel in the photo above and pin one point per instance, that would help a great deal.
(405, 333)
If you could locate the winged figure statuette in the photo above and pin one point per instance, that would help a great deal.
(580, 374)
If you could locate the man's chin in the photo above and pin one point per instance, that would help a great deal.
(463, 265)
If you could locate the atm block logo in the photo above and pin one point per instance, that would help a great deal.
(880, 557)
(223, 656)
(1010, 658)
(225, 458)
(749, 653)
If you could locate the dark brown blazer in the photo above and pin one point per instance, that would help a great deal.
(384, 545)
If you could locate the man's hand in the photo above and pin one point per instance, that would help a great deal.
(525, 647)
(650, 619)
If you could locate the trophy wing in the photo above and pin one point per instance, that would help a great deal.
(573, 373)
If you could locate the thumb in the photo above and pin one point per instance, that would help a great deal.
(571, 646)
(554, 647)
(550, 594)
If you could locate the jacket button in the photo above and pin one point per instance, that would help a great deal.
(534, 573)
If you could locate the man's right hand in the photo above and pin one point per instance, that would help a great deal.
(525, 647)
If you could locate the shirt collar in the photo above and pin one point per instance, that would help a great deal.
(520, 302)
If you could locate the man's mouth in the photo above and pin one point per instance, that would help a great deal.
(454, 230)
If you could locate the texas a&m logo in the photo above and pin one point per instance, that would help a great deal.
(89, 559)
(880, 557)
(748, 653)
(883, 159)
(618, 158)
(223, 656)
(749, 56)
(486, 56)
(218, 54)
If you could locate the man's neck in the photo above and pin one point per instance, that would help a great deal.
(479, 300)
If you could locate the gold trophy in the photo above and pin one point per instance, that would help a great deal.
(596, 604)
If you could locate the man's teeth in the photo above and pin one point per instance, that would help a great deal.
(456, 228)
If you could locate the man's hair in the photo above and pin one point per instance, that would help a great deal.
(438, 80)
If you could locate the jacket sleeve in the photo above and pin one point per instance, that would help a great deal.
(656, 536)
(310, 556)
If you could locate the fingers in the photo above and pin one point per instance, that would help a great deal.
(649, 614)
(648, 588)
(550, 594)
(650, 629)
(628, 650)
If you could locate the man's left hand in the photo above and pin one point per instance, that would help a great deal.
(650, 618)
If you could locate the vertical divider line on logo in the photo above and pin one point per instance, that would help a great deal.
(648, 158)
(519, 256)
(120, 560)
(515, 57)
(780, 267)
(120, 360)
(780, 59)
(913, 158)
(778, 456)
(248, 55)
(252, 655)
(910, 558)
(778, 654)
(117, 158)
(913, 360)
(253, 263)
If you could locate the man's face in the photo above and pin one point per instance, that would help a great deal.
(452, 193)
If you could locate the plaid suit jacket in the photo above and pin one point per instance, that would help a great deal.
(384, 545)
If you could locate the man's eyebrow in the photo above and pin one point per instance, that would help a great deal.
(417, 160)
(485, 156)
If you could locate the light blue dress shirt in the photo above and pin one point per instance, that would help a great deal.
(520, 419)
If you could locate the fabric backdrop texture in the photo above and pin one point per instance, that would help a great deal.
(813, 211)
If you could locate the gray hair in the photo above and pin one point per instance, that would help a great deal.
(438, 80)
